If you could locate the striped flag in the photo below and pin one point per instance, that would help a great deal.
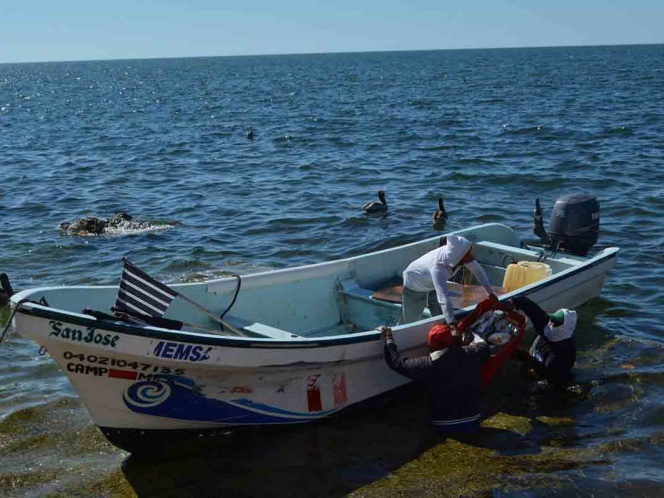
(141, 294)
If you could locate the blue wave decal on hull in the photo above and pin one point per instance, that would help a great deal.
(273, 410)
(178, 398)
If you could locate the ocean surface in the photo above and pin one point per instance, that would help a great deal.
(489, 130)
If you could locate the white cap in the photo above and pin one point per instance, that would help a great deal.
(455, 249)
(564, 331)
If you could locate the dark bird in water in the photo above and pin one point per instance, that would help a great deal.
(439, 217)
(376, 207)
(250, 133)
(6, 292)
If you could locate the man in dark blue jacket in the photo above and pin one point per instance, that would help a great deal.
(553, 353)
(450, 375)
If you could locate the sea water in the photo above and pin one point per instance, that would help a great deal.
(488, 130)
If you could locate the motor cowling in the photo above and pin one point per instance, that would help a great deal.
(574, 224)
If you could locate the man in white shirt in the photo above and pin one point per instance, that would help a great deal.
(430, 273)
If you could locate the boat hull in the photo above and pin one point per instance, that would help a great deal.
(129, 381)
(141, 378)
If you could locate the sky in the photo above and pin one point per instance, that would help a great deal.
(66, 30)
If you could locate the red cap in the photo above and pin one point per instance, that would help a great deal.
(440, 336)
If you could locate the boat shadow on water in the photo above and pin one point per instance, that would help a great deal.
(531, 439)
(360, 448)
(332, 457)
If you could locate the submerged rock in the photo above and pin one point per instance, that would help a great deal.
(92, 225)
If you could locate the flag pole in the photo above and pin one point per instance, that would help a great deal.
(145, 320)
(148, 295)
(227, 325)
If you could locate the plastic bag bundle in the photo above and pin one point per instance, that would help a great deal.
(499, 338)
(483, 324)
(494, 328)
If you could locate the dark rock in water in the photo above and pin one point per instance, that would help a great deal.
(120, 219)
(85, 226)
(92, 225)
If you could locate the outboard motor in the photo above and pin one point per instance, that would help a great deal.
(574, 225)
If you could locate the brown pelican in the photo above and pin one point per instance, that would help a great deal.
(439, 217)
(250, 133)
(376, 207)
(6, 290)
(538, 224)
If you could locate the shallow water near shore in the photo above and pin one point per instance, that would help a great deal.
(490, 130)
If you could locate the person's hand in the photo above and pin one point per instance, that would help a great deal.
(457, 336)
(386, 333)
(508, 305)
(516, 302)
(460, 336)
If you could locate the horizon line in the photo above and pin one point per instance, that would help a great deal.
(330, 53)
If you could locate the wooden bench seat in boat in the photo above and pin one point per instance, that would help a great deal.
(350, 288)
(390, 295)
(256, 329)
(360, 311)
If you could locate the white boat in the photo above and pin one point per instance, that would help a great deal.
(310, 348)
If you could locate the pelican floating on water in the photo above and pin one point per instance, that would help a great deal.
(375, 206)
(6, 290)
(439, 217)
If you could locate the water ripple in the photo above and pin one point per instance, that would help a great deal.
(165, 140)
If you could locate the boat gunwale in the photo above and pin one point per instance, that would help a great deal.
(187, 336)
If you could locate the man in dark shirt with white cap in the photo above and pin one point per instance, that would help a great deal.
(553, 352)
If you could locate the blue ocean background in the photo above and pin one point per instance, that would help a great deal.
(488, 130)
